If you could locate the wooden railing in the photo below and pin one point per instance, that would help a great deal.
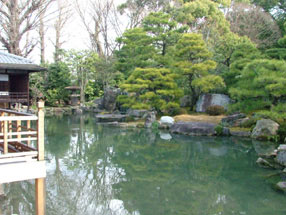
(17, 134)
(14, 97)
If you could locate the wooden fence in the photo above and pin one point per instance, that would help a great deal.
(17, 134)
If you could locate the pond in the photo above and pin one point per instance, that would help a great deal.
(94, 169)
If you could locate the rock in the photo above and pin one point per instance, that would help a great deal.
(207, 100)
(282, 147)
(193, 128)
(281, 158)
(264, 163)
(110, 118)
(109, 99)
(225, 131)
(137, 113)
(165, 136)
(185, 101)
(281, 186)
(1, 191)
(240, 133)
(264, 129)
(150, 119)
(166, 121)
(98, 103)
(232, 119)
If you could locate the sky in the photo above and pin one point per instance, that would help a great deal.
(75, 35)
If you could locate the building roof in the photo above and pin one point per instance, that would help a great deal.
(14, 62)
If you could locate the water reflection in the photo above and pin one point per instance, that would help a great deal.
(94, 169)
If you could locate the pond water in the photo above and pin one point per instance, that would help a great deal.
(94, 169)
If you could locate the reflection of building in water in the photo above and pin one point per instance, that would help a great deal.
(21, 146)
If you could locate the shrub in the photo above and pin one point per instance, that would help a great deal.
(219, 130)
(250, 123)
(215, 110)
(282, 132)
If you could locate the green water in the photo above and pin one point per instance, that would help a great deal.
(92, 169)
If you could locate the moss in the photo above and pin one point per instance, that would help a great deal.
(239, 129)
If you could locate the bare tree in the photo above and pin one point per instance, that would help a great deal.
(42, 33)
(17, 19)
(254, 22)
(101, 20)
(64, 13)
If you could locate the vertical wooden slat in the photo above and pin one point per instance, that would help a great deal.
(19, 136)
(5, 137)
(10, 126)
(40, 196)
(41, 133)
(28, 128)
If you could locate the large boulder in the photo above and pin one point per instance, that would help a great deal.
(109, 98)
(264, 129)
(207, 100)
(193, 128)
(150, 119)
(232, 120)
(166, 121)
(137, 113)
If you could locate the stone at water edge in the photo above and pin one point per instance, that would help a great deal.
(264, 129)
(193, 128)
(281, 155)
(109, 98)
(232, 119)
(167, 120)
(137, 113)
(150, 119)
(281, 186)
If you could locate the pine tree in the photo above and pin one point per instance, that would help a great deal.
(193, 62)
(152, 88)
(261, 86)
(136, 51)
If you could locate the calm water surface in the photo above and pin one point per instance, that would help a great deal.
(92, 169)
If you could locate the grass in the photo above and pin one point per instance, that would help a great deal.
(199, 118)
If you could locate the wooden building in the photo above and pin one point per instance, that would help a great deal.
(14, 79)
(21, 134)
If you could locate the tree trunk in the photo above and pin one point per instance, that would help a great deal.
(1, 190)
(42, 38)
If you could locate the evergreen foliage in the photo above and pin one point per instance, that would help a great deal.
(194, 62)
(261, 86)
(58, 78)
(152, 88)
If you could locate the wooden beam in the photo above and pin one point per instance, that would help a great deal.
(21, 171)
(16, 118)
(5, 139)
(40, 196)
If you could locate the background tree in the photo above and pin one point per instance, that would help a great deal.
(194, 62)
(17, 19)
(251, 21)
(277, 8)
(137, 10)
(57, 79)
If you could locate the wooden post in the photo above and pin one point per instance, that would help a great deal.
(1, 190)
(28, 128)
(18, 130)
(5, 130)
(10, 127)
(40, 182)
(40, 196)
(41, 132)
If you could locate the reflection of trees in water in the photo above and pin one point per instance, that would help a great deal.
(91, 166)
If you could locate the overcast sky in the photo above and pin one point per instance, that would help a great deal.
(75, 35)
